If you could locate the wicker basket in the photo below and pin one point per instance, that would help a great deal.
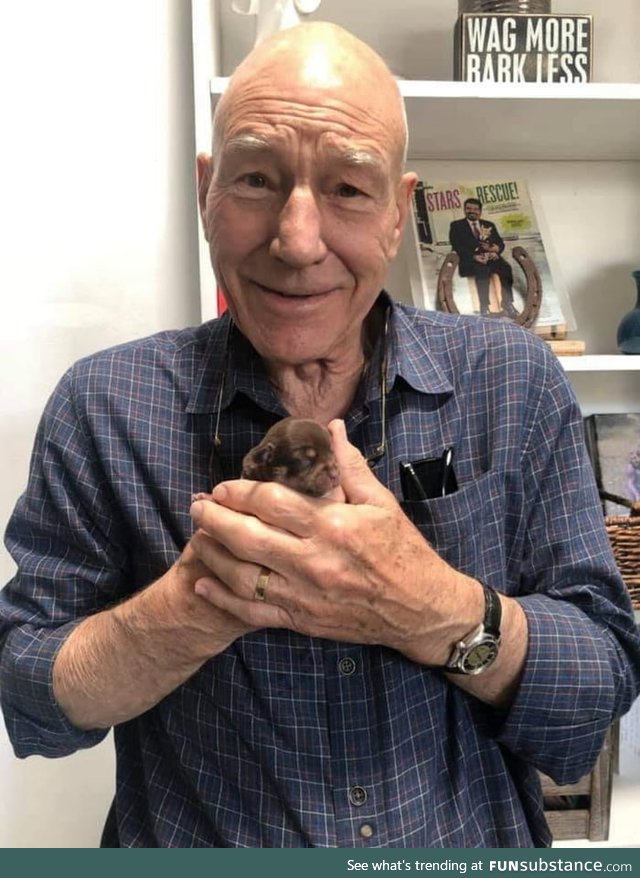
(624, 534)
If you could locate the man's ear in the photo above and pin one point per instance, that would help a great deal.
(204, 170)
(404, 205)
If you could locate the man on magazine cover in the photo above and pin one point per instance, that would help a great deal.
(479, 245)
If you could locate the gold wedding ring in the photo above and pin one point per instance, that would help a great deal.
(260, 594)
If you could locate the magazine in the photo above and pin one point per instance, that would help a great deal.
(614, 447)
(484, 232)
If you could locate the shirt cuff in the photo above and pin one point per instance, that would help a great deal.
(35, 723)
(566, 699)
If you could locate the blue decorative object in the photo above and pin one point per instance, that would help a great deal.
(629, 328)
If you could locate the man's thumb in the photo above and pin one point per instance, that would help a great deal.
(358, 482)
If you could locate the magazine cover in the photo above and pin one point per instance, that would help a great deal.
(614, 447)
(483, 223)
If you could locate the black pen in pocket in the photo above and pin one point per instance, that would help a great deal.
(428, 478)
(448, 476)
(411, 484)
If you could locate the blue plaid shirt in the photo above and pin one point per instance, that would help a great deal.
(288, 741)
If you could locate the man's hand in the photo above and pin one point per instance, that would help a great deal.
(357, 571)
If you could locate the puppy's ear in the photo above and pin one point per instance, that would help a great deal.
(264, 454)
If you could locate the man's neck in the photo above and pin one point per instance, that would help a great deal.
(324, 389)
(321, 390)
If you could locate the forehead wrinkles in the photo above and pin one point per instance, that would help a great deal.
(248, 112)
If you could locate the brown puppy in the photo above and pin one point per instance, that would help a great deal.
(295, 452)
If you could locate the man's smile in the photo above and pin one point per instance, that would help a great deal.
(294, 293)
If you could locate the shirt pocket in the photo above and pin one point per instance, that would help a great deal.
(466, 528)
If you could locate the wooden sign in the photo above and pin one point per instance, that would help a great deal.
(523, 48)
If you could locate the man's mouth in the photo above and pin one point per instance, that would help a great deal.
(293, 294)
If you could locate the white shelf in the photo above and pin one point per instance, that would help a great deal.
(489, 121)
(601, 363)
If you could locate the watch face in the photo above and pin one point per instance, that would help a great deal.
(479, 657)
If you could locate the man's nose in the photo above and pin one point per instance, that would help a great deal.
(299, 236)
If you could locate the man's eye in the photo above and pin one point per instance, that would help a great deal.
(255, 180)
(346, 190)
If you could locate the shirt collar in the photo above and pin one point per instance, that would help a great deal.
(230, 365)
(412, 357)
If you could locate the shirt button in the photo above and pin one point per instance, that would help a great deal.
(347, 666)
(366, 830)
(357, 796)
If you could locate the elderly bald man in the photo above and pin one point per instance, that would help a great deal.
(387, 668)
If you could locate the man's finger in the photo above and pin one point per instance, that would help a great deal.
(271, 503)
(254, 614)
(358, 482)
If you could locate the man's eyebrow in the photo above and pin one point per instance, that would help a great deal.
(360, 158)
(247, 143)
(350, 156)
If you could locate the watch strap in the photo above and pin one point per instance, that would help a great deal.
(492, 611)
(488, 632)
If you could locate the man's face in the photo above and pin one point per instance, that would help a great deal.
(303, 212)
(472, 211)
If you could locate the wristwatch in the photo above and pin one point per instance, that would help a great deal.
(479, 649)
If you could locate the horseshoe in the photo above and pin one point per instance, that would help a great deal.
(533, 296)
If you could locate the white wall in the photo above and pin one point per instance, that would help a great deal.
(99, 245)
